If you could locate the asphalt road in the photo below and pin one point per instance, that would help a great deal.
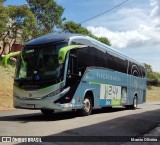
(116, 122)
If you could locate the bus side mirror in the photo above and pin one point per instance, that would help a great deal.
(6, 57)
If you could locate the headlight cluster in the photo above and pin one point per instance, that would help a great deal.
(54, 93)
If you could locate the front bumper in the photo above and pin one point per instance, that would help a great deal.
(46, 103)
(40, 103)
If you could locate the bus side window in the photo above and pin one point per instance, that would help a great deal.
(73, 43)
(72, 74)
(143, 72)
(76, 43)
(80, 41)
(72, 65)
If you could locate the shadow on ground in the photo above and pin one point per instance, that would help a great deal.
(56, 116)
(115, 131)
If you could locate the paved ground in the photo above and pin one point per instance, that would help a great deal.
(116, 123)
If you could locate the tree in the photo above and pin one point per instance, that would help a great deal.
(149, 71)
(152, 77)
(3, 23)
(73, 27)
(48, 15)
(3, 18)
(104, 40)
(157, 76)
(20, 27)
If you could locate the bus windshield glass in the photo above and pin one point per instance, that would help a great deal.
(40, 63)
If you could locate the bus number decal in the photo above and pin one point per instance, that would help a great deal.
(110, 92)
(108, 102)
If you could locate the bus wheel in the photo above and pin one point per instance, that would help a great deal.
(135, 103)
(87, 108)
(47, 112)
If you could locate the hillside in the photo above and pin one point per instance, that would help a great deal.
(153, 94)
(6, 88)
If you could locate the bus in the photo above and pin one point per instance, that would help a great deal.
(76, 72)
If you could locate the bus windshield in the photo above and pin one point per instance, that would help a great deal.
(40, 63)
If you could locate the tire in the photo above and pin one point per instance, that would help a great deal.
(47, 112)
(134, 105)
(87, 108)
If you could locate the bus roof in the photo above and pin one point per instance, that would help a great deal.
(51, 38)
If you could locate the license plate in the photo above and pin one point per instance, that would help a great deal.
(30, 106)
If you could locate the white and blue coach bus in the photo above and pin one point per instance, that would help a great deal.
(72, 71)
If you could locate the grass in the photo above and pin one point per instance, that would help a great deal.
(153, 94)
(6, 88)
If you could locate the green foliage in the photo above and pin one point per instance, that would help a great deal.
(101, 39)
(148, 70)
(73, 27)
(19, 26)
(104, 40)
(22, 23)
(2, 1)
(3, 18)
(48, 15)
(152, 76)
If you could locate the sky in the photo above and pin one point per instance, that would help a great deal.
(133, 28)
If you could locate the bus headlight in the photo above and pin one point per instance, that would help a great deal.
(58, 91)
(54, 93)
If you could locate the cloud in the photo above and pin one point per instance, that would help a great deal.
(123, 19)
(134, 26)
(140, 34)
(142, 44)
(156, 8)
(143, 35)
(120, 39)
(155, 13)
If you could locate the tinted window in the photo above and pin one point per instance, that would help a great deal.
(116, 63)
(90, 56)
(143, 71)
(134, 69)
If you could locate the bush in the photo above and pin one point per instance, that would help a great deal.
(152, 82)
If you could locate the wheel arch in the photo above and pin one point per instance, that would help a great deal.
(90, 94)
(135, 95)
